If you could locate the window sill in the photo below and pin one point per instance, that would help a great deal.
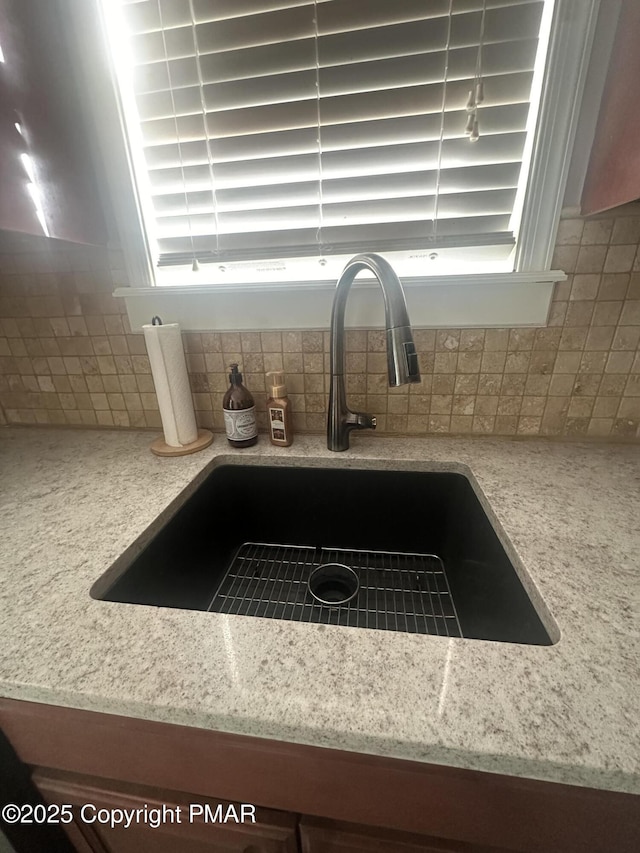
(503, 299)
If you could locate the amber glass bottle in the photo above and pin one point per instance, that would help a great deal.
(239, 412)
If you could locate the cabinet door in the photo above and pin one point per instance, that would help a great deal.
(178, 829)
(46, 170)
(325, 836)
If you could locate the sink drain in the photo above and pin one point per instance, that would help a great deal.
(333, 583)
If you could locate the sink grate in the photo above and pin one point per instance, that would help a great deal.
(398, 592)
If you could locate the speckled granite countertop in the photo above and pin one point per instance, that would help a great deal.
(72, 501)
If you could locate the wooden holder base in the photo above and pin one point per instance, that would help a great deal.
(161, 448)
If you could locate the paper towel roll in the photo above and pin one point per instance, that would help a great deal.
(169, 369)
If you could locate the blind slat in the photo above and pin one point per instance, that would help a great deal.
(250, 121)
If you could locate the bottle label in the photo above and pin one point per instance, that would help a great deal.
(276, 424)
(241, 424)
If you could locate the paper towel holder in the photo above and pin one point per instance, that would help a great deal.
(160, 447)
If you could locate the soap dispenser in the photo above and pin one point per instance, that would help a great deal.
(279, 410)
(239, 412)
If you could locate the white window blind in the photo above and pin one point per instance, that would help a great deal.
(289, 128)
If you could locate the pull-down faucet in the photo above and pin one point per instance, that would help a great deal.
(402, 359)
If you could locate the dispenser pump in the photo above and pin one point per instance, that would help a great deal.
(277, 386)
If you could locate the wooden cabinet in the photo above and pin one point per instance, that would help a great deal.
(161, 821)
(311, 799)
(613, 174)
(46, 168)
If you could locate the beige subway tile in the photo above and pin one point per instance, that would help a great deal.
(630, 408)
(620, 258)
(273, 361)
(600, 427)
(633, 291)
(425, 339)
(95, 324)
(313, 362)
(77, 326)
(439, 423)
(376, 340)
(99, 401)
(626, 338)
(445, 362)
(419, 404)
(587, 384)
(561, 384)
(466, 383)
(443, 383)
(591, 259)
(600, 338)
(463, 404)
(124, 363)
(293, 362)
(486, 405)
(314, 383)
(565, 258)
(606, 313)
(95, 384)
(137, 419)
(111, 384)
(496, 340)
(472, 339)
(630, 315)
(140, 364)
(573, 339)
(45, 383)
(580, 313)
(513, 384)
(619, 362)
(567, 362)
(493, 362)
(116, 401)
(521, 339)
(517, 362)
(585, 286)
(469, 362)
(149, 401)
(613, 286)
(505, 425)
(376, 362)
(597, 232)
(489, 383)
(210, 342)
(632, 387)
(537, 384)
(104, 417)
(191, 341)
(542, 361)
(396, 423)
(593, 362)
(447, 340)
(581, 407)
(509, 405)
(626, 229)
(533, 406)
(529, 425)
(460, 424)
(119, 344)
(625, 427)
(441, 404)
(576, 426)
(398, 405)
(483, 424)
(562, 289)
(312, 342)
(291, 342)
(355, 340)
(569, 232)
(606, 407)
(612, 385)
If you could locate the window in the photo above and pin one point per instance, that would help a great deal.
(273, 139)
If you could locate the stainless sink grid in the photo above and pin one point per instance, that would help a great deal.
(398, 592)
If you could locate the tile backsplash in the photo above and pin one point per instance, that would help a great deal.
(68, 356)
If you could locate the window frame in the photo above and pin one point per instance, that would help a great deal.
(499, 299)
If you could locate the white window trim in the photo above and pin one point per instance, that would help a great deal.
(502, 299)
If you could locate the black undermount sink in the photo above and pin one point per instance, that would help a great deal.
(420, 551)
